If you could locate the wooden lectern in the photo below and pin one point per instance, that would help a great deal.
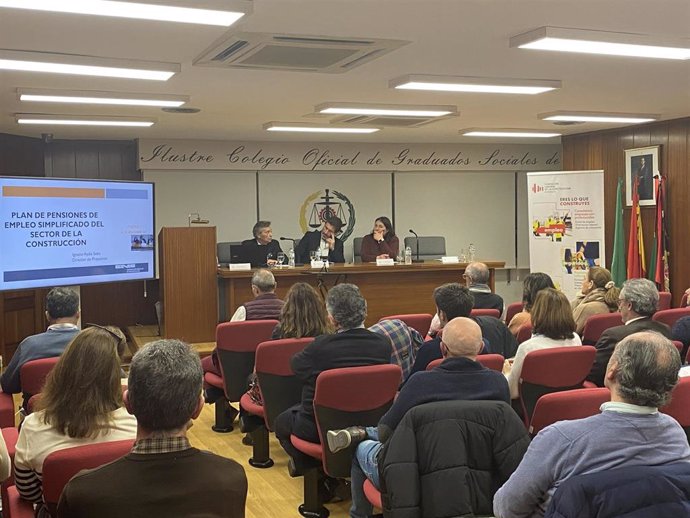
(189, 291)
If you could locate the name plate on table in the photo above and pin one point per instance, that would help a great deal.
(239, 266)
(450, 259)
(385, 262)
(317, 264)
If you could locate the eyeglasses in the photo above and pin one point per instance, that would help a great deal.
(117, 337)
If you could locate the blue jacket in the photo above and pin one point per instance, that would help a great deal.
(634, 492)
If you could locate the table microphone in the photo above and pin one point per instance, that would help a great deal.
(417, 260)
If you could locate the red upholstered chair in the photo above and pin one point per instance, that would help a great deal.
(33, 374)
(679, 346)
(669, 316)
(372, 494)
(524, 333)
(344, 397)
(664, 300)
(512, 310)
(485, 313)
(597, 324)
(570, 404)
(236, 344)
(6, 410)
(10, 436)
(418, 321)
(280, 389)
(552, 370)
(490, 361)
(679, 407)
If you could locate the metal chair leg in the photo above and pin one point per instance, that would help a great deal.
(312, 506)
(261, 449)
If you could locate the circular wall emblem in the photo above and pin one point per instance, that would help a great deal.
(320, 205)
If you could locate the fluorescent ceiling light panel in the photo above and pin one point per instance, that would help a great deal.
(600, 42)
(568, 116)
(91, 97)
(386, 110)
(142, 11)
(78, 120)
(85, 65)
(508, 133)
(474, 84)
(311, 128)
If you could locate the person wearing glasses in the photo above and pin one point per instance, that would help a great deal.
(323, 241)
(637, 302)
(62, 313)
(66, 415)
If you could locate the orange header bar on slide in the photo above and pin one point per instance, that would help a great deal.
(51, 192)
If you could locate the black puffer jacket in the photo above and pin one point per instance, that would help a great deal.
(447, 459)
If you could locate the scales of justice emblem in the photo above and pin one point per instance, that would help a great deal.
(321, 205)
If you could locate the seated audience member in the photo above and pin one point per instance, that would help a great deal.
(598, 295)
(681, 332)
(637, 302)
(477, 277)
(324, 242)
(630, 431)
(262, 250)
(553, 326)
(350, 346)
(266, 305)
(531, 286)
(62, 313)
(163, 475)
(405, 341)
(303, 314)
(382, 243)
(459, 377)
(5, 461)
(455, 300)
(81, 403)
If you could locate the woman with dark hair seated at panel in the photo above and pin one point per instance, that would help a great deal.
(552, 326)
(598, 295)
(382, 243)
(81, 403)
(531, 286)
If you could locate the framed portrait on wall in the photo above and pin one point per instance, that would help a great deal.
(642, 163)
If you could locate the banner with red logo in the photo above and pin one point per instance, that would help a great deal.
(566, 214)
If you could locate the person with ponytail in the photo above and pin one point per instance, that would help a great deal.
(598, 295)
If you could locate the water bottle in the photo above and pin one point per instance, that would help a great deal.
(408, 255)
(291, 258)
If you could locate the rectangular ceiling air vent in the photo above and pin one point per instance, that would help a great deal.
(387, 121)
(301, 53)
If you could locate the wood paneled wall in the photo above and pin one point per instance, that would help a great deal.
(606, 150)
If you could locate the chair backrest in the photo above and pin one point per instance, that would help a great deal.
(679, 407)
(479, 312)
(597, 324)
(357, 250)
(236, 343)
(552, 370)
(430, 247)
(228, 252)
(490, 361)
(669, 316)
(512, 310)
(352, 395)
(421, 322)
(664, 300)
(567, 405)
(33, 374)
(280, 388)
(61, 465)
(524, 333)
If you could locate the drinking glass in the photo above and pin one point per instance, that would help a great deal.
(281, 259)
(314, 255)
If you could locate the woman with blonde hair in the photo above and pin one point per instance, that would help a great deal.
(598, 295)
(552, 326)
(303, 314)
(81, 403)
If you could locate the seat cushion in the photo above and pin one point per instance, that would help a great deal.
(213, 379)
(308, 448)
(251, 407)
(372, 494)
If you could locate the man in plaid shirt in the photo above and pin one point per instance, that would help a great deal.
(404, 340)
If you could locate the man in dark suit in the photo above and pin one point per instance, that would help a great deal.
(262, 250)
(637, 303)
(322, 240)
(350, 346)
(644, 173)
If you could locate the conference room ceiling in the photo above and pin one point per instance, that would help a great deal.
(446, 37)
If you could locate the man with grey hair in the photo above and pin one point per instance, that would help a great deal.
(637, 302)
(351, 346)
(266, 304)
(62, 314)
(629, 431)
(477, 277)
(262, 250)
(163, 475)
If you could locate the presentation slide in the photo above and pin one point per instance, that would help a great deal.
(57, 232)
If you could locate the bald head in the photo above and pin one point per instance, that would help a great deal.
(462, 337)
(477, 273)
